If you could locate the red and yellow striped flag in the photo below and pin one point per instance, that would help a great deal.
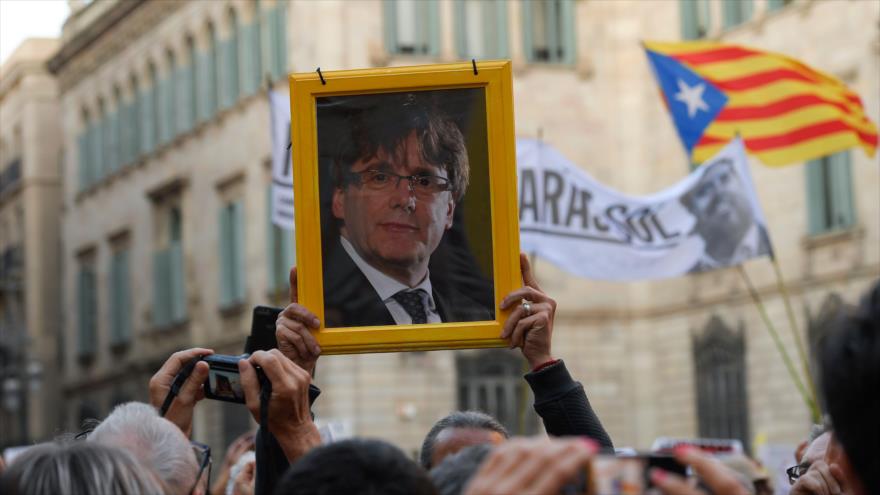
(785, 111)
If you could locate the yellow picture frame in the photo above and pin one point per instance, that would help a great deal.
(494, 77)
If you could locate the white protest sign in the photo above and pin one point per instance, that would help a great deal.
(711, 219)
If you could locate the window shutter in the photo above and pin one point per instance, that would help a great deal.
(842, 204)
(204, 81)
(238, 237)
(125, 130)
(119, 298)
(181, 100)
(500, 20)
(161, 289)
(281, 41)
(568, 38)
(83, 158)
(527, 30)
(689, 29)
(226, 261)
(148, 120)
(431, 15)
(135, 117)
(250, 59)
(178, 283)
(815, 197)
(86, 340)
(461, 38)
(98, 149)
(114, 141)
(390, 25)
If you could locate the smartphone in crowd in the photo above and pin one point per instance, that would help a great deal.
(627, 474)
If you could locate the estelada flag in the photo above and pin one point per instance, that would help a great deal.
(785, 111)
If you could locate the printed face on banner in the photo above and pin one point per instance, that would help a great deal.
(405, 208)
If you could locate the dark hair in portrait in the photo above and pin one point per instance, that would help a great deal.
(361, 139)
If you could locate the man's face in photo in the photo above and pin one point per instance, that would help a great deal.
(394, 222)
(722, 210)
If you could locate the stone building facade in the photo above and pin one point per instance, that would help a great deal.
(30, 244)
(167, 242)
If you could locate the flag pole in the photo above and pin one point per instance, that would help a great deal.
(794, 329)
(756, 297)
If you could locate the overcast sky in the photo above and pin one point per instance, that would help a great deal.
(22, 19)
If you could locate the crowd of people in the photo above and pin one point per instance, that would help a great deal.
(137, 450)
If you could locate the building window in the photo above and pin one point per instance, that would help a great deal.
(281, 251)
(120, 294)
(249, 50)
(548, 28)
(412, 27)
(695, 20)
(481, 28)
(169, 296)
(491, 381)
(113, 135)
(736, 12)
(231, 254)
(87, 308)
(829, 193)
(722, 407)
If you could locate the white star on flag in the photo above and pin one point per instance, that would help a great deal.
(692, 96)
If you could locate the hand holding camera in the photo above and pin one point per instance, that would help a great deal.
(188, 384)
(290, 420)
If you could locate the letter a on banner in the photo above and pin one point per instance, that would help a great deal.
(282, 166)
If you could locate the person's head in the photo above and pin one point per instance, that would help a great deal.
(397, 178)
(78, 468)
(722, 211)
(355, 466)
(452, 475)
(850, 367)
(459, 430)
(155, 441)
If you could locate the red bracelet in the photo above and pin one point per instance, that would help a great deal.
(544, 365)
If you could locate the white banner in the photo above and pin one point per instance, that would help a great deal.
(282, 165)
(711, 219)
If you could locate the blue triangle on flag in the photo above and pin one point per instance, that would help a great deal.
(693, 101)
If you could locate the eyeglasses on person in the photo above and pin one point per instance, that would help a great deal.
(203, 456)
(424, 185)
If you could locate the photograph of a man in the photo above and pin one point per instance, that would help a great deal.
(726, 218)
(399, 167)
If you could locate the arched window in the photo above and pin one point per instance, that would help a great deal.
(722, 403)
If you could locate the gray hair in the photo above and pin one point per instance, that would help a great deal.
(458, 419)
(155, 441)
(452, 475)
(78, 468)
(818, 430)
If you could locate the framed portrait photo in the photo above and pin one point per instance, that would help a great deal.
(405, 199)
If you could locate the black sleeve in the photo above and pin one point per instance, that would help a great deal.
(270, 460)
(563, 405)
